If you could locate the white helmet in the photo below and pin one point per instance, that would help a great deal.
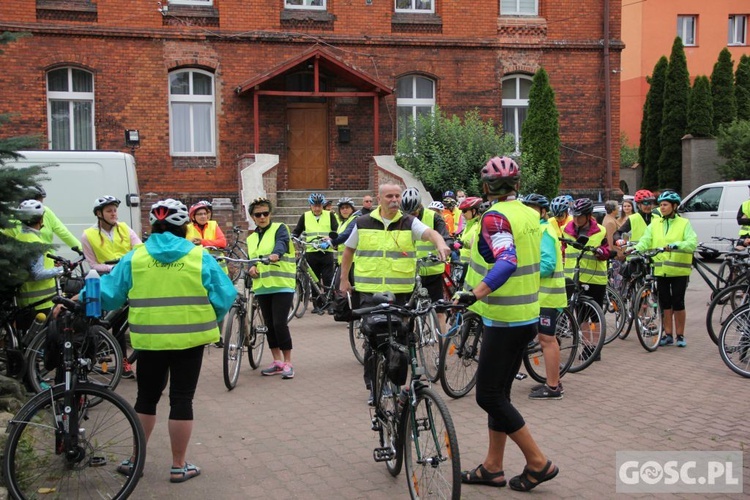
(29, 210)
(410, 200)
(436, 205)
(105, 200)
(173, 211)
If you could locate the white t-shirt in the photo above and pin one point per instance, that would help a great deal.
(417, 230)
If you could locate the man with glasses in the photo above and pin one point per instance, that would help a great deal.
(366, 205)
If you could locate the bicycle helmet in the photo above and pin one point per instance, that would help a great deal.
(195, 206)
(670, 196)
(410, 200)
(642, 195)
(449, 194)
(484, 206)
(500, 175)
(259, 201)
(172, 211)
(582, 206)
(105, 200)
(345, 201)
(316, 199)
(470, 202)
(538, 200)
(559, 206)
(29, 210)
(37, 191)
(436, 205)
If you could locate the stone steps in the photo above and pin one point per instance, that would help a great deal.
(292, 204)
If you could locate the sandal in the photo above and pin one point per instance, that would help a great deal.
(480, 475)
(126, 468)
(524, 483)
(188, 471)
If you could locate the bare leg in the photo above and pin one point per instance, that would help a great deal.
(148, 422)
(493, 462)
(679, 322)
(535, 459)
(179, 437)
(287, 356)
(276, 353)
(551, 352)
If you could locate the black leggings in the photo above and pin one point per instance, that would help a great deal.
(322, 265)
(275, 309)
(672, 292)
(155, 368)
(499, 360)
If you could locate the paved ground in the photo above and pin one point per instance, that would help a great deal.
(310, 437)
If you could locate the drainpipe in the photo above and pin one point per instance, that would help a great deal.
(607, 102)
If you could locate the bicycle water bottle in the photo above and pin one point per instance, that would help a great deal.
(93, 294)
(36, 325)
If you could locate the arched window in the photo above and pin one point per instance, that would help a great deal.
(192, 128)
(70, 109)
(415, 97)
(515, 104)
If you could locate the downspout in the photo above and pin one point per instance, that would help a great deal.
(607, 102)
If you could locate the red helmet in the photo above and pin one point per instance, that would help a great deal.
(196, 206)
(501, 174)
(470, 202)
(643, 194)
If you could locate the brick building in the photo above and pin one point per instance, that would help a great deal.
(323, 84)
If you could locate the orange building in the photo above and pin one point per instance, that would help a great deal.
(648, 30)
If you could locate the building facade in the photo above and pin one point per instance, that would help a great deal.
(324, 84)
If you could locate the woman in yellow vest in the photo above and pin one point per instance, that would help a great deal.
(671, 268)
(273, 284)
(177, 292)
(560, 216)
(108, 239)
(206, 232)
(470, 211)
(345, 218)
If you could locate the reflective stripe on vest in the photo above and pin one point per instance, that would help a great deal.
(281, 274)
(106, 249)
(745, 230)
(320, 227)
(552, 288)
(676, 262)
(593, 270)
(469, 234)
(517, 300)
(428, 247)
(33, 291)
(169, 306)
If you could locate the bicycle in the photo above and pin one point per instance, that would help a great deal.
(646, 309)
(734, 341)
(566, 327)
(731, 270)
(237, 250)
(308, 282)
(59, 445)
(414, 425)
(243, 327)
(725, 302)
(459, 354)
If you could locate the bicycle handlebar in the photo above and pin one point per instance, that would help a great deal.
(577, 245)
(250, 262)
(68, 265)
(440, 305)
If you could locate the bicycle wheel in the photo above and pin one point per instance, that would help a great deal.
(304, 291)
(648, 318)
(459, 357)
(99, 345)
(567, 339)
(591, 333)
(721, 307)
(723, 274)
(386, 408)
(357, 340)
(234, 345)
(428, 347)
(298, 293)
(39, 463)
(734, 342)
(627, 299)
(615, 314)
(235, 268)
(255, 338)
(11, 357)
(431, 455)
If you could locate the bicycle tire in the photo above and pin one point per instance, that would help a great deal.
(648, 318)
(234, 345)
(429, 343)
(590, 342)
(113, 433)
(107, 369)
(734, 342)
(298, 292)
(459, 357)
(357, 340)
(256, 333)
(567, 339)
(723, 274)
(628, 300)
(431, 455)
(386, 408)
(304, 301)
(235, 269)
(615, 313)
(721, 307)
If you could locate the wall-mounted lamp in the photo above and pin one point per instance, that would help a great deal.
(132, 140)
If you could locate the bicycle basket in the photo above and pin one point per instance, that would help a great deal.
(398, 365)
(376, 328)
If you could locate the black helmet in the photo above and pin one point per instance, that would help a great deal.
(583, 206)
(538, 200)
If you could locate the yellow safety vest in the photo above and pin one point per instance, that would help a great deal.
(320, 227)
(558, 228)
(169, 306)
(33, 291)
(468, 235)
(675, 262)
(518, 299)
(552, 289)
(209, 233)
(427, 247)
(745, 230)
(386, 257)
(281, 274)
(637, 227)
(593, 270)
(106, 249)
(342, 227)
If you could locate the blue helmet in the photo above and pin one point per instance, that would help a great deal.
(559, 206)
(538, 200)
(316, 199)
(669, 196)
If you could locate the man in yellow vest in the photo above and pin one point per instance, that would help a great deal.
(383, 243)
(503, 279)
(743, 219)
(177, 291)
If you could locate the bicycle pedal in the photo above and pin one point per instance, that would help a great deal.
(261, 329)
(376, 426)
(383, 454)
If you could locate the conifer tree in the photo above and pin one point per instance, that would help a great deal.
(655, 105)
(700, 115)
(722, 90)
(742, 88)
(674, 118)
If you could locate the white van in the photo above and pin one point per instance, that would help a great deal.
(712, 211)
(78, 178)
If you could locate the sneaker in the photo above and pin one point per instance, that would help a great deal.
(127, 369)
(545, 392)
(681, 341)
(371, 399)
(275, 369)
(666, 340)
(287, 371)
(539, 386)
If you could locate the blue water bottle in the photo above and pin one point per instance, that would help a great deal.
(93, 294)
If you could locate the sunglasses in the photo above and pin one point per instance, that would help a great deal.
(645, 203)
(261, 214)
(367, 201)
(466, 210)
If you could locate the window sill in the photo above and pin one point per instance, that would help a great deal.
(317, 16)
(198, 15)
(402, 22)
(194, 162)
(71, 10)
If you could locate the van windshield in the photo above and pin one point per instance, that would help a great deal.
(705, 200)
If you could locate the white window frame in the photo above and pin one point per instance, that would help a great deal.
(515, 103)
(306, 4)
(413, 9)
(513, 8)
(201, 3)
(72, 97)
(682, 29)
(198, 99)
(737, 34)
(414, 102)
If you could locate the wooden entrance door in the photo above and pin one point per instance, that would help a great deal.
(308, 146)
